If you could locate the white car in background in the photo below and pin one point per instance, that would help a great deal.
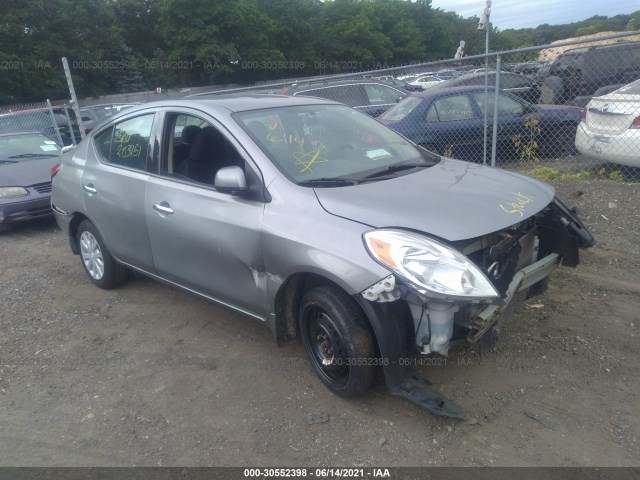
(426, 81)
(610, 127)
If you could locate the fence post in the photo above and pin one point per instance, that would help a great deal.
(55, 124)
(72, 91)
(494, 140)
(73, 134)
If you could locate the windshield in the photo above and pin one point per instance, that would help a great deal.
(20, 147)
(322, 142)
(401, 109)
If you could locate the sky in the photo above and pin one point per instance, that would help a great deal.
(531, 13)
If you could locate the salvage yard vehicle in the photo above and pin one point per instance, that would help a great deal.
(319, 222)
(610, 130)
(451, 119)
(61, 127)
(26, 159)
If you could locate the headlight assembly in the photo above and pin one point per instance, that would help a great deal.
(13, 191)
(429, 265)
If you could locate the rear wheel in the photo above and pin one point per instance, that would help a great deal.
(97, 262)
(337, 341)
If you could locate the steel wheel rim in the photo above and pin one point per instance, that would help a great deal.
(327, 348)
(91, 255)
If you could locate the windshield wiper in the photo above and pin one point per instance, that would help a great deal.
(8, 161)
(33, 155)
(326, 182)
(379, 174)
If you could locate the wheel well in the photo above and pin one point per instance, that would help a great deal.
(287, 305)
(73, 231)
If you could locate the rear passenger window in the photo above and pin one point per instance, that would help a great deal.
(452, 108)
(126, 144)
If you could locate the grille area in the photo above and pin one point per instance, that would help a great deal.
(42, 187)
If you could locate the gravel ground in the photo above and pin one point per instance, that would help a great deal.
(148, 375)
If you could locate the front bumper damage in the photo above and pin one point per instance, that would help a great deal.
(403, 315)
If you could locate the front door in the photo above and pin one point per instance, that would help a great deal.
(202, 239)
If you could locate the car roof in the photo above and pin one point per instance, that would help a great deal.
(572, 51)
(234, 102)
(439, 90)
(335, 83)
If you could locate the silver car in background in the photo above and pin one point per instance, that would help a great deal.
(319, 222)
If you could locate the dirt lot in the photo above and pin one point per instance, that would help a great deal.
(148, 375)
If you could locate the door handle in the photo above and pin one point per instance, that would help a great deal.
(90, 189)
(163, 208)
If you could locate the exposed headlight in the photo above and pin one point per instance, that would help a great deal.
(13, 191)
(429, 265)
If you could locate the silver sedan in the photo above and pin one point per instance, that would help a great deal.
(319, 222)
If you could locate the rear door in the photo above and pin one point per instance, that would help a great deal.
(114, 184)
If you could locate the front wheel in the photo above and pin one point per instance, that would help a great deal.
(337, 341)
(97, 262)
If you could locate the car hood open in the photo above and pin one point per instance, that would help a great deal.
(452, 200)
(27, 172)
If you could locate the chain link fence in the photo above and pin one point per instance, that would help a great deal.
(566, 110)
(56, 122)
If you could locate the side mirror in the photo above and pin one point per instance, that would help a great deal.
(67, 148)
(230, 180)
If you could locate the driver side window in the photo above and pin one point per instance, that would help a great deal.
(195, 149)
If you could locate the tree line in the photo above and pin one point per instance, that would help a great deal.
(119, 46)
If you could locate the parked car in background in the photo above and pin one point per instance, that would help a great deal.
(60, 127)
(369, 96)
(610, 130)
(450, 121)
(401, 84)
(581, 71)
(520, 85)
(26, 159)
(526, 68)
(319, 222)
(93, 114)
(426, 81)
(583, 100)
(447, 74)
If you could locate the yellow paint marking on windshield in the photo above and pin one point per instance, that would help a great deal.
(518, 206)
(306, 160)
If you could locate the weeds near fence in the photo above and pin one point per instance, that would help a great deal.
(527, 146)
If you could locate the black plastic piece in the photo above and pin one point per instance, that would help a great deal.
(420, 391)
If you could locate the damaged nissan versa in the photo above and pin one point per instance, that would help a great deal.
(318, 221)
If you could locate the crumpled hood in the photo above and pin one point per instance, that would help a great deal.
(453, 200)
(27, 172)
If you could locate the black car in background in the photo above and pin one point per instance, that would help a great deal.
(576, 74)
(368, 95)
(60, 127)
(92, 115)
(520, 85)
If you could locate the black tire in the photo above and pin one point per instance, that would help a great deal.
(339, 346)
(96, 260)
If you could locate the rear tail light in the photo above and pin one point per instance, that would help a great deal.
(584, 114)
(635, 123)
(55, 169)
